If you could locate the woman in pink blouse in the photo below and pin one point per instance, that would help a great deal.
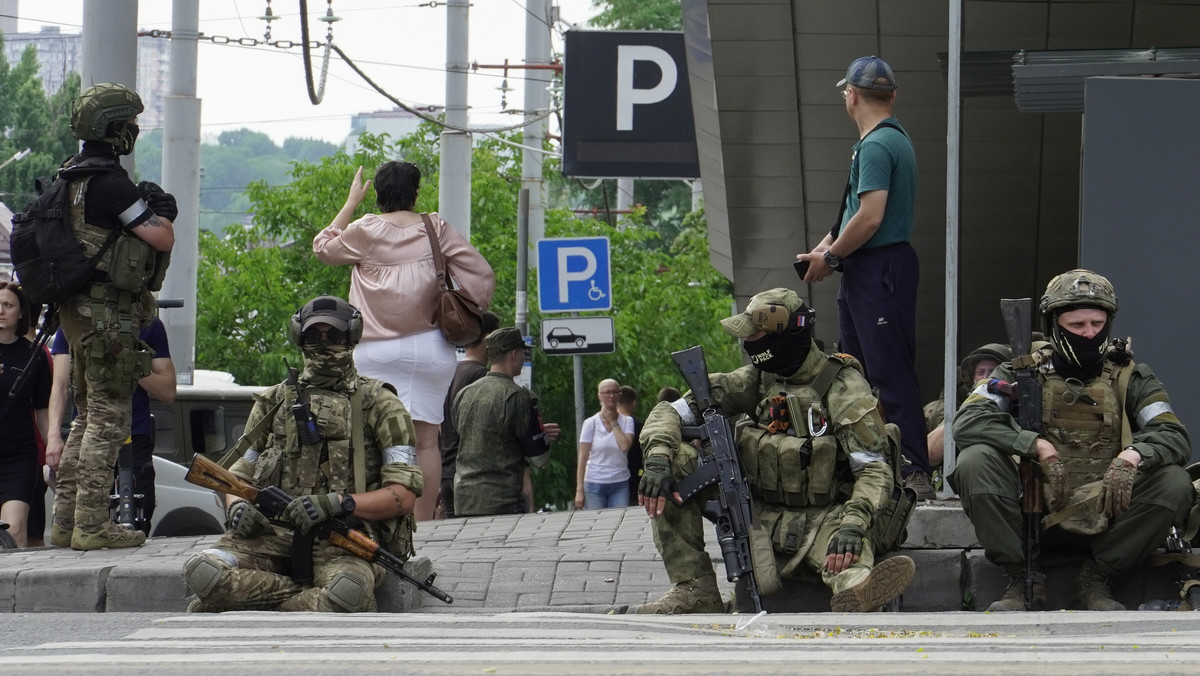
(394, 285)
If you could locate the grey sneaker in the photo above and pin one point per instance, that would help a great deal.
(922, 484)
(1091, 588)
(110, 535)
(888, 579)
(1014, 595)
(690, 596)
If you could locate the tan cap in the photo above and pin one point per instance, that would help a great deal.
(769, 311)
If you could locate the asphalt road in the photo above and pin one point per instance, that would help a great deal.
(265, 644)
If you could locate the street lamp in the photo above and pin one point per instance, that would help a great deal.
(17, 157)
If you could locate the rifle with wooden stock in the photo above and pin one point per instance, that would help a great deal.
(1027, 393)
(272, 500)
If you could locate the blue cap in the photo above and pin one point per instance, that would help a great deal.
(868, 73)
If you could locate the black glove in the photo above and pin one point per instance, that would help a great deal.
(848, 540)
(310, 510)
(244, 519)
(656, 477)
(160, 201)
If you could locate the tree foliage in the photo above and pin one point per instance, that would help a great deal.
(638, 15)
(663, 299)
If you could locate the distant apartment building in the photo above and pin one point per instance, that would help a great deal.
(59, 54)
(396, 123)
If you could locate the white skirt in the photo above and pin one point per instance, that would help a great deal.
(419, 366)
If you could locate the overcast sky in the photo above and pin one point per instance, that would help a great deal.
(400, 44)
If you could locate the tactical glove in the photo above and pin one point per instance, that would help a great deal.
(244, 519)
(307, 511)
(1055, 488)
(847, 540)
(656, 477)
(1116, 487)
(161, 202)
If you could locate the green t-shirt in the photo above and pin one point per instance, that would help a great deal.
(885, 160)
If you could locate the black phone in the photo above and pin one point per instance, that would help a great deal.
(801, 268)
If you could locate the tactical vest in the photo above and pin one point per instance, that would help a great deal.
(1087, 435)
(129, 263)
(789, 452)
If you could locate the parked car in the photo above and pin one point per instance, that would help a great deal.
(206, 417)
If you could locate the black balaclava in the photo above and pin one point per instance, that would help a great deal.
(1078, 357)
(780, 353)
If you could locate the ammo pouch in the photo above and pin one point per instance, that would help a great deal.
(396, 535)
(162, 260)
(787, 470)
(889, 528)
(131, 263)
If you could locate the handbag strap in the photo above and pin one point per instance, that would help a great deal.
(439, 260)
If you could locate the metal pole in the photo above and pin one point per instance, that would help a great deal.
(537, 101)
(522, 302)
(110, 47)
(181, 177)
(454, 172)
(953, 171)
(580, 413)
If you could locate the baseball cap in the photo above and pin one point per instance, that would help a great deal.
(864, 72)
(769, 311)
(330, 310)
(504, 340)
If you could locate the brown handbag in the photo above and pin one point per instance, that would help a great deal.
(459, 317)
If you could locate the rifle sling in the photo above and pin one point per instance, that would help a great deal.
(250, 437)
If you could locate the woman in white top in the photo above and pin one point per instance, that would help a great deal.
(602, 473)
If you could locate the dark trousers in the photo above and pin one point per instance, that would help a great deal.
(877, 314)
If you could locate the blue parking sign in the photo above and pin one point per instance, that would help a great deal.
(574, 274)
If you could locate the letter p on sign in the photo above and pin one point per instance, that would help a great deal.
(627, 95)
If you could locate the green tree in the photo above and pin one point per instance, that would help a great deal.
(638, 15)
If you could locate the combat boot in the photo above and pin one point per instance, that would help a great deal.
(1091, 588)
(108, 535)
(690, 596)
(60, 535)
(887, 580)
(1014, 595)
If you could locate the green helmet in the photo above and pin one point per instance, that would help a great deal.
(998, 352)
(99, 106)
(1077, 288)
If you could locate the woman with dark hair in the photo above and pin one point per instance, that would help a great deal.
(394, 285)
(19, 471)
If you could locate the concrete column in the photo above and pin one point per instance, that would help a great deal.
(454, 187)
(537, 100)
(110, 47)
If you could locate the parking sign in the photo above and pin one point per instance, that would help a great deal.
(574, 274)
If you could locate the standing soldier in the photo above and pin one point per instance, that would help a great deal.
(130, 228)
(358, 462)
(1111, 450)
(820, 509)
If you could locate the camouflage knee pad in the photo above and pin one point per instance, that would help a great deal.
(204, 571)
(350, 591)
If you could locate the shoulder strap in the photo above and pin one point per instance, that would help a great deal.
(837, 224)
(1120, 384)
(827, 375)
(357, 445)
(439, 260)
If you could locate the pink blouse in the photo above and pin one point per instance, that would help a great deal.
(394, 282)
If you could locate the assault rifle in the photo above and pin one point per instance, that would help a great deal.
(731, 511)
(272, 501)
(1018, 323)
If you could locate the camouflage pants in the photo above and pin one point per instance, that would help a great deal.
(261, 581)
(799, 536)
(106, 362)
(990, 488)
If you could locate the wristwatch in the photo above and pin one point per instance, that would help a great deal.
(832, 260)
(348, 504)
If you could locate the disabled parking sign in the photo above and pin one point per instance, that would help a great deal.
(574, 274)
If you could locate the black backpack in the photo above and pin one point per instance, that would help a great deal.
(47, 257)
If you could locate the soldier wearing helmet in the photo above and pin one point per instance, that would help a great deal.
(115, 222)
(817, 456)
(974, 367)
(360, 465)
(1110, 447)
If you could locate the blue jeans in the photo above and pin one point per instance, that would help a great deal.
(600, 496)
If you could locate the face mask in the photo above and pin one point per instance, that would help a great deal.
(326, 365)
(1078, 357)
(779, 353)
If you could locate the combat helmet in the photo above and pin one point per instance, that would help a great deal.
(995, 351)
(94, 110)
(1077, 288)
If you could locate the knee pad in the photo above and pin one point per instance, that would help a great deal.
(350, 591)
(203, 571)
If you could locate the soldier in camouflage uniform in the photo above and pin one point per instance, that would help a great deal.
(817, 514)
(1111, 449)
(129, 229)
(362, 469)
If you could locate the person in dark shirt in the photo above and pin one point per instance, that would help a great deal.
(471, 368)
